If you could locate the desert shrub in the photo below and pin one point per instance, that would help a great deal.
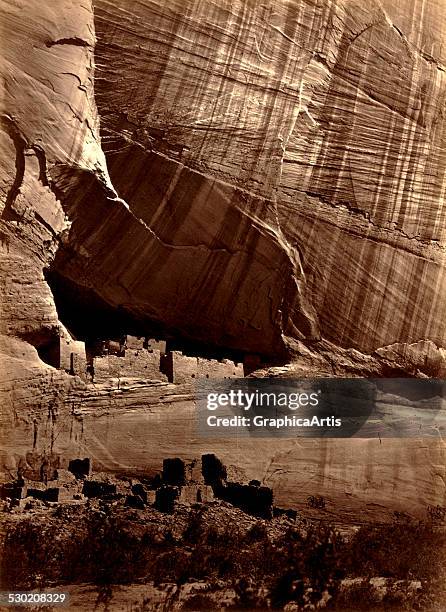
(257, 533)
(205, 552)
(397, 598)
(398, 550)
(249, 594)
(200, 601)
(89, 547)
(171, 565)
(35, 554)
(114, 553)
(357, 597)
(302, 567)
(436, 514)
(432, 595)
(308, 566)
(316, 501)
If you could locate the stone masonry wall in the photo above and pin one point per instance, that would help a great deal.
(135, 363)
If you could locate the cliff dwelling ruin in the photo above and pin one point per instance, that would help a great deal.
(133, 357)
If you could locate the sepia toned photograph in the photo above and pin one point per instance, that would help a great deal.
(223, 305)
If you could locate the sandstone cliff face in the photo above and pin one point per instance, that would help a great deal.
(287, 161)
(48, 117)
(267, 172)
(256, 176)
(131, 427)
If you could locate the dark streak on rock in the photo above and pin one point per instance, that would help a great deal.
(9, 213)
(74, 40)
(41, 157)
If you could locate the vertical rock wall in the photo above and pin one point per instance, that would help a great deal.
(287, 162)
(276, 169)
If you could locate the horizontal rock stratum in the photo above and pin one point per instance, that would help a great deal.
(245, 174)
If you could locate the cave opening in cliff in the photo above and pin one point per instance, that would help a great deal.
(46, 341)
(49, 352)
(85, 314)
(89, 318)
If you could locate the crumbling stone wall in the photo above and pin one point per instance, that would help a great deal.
(95, 488)
(180, 482)
(63, 352)
(39, 467)
(213, 470)
(181, 368)
(139, 343)
(134, 363)
(144, 357)
(225, 368)
(47, 478)
(80, 467)
(195, 493)
(194, 472)
(166, 497)
(151, 344)
(174, 472)
(73, 357)
(134, 343)
(252, 499)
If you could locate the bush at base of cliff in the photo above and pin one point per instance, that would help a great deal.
(403, 550)
(265, 564)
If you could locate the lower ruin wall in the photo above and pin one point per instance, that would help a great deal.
(133, 364)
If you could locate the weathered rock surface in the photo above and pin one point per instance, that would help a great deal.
(133, 427)
(309, 141)
(272, 172)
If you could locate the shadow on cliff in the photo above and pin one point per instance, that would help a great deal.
(229, 286)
